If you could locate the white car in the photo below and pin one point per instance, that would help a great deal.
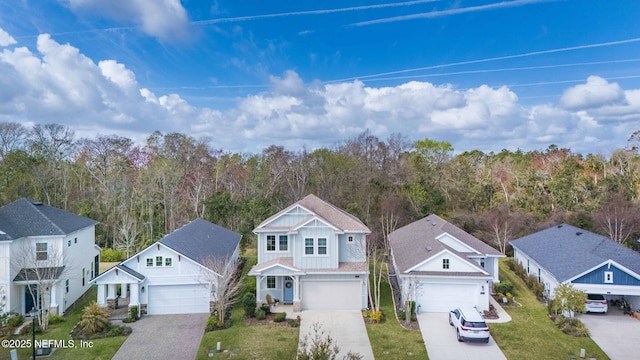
(596, 303)
(469, 324)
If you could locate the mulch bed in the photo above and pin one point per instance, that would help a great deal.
(267, 321)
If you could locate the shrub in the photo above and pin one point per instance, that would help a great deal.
(504, 287)
(376, 316)
(265, 308)
(115, 331)
(214, 323)
(402, 315)
(15, 320)
(95, 318)
(111, 255)
(133, 313)
(280, 317)
(56, 319)
(249, 304)
(293, 323)
(261, 314)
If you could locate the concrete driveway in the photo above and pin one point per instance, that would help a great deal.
(163, 337)
(442, 344)
(615, 333)
(345, 327)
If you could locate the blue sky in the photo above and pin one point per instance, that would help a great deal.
(486, 75)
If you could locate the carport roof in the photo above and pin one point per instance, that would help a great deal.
(567, 251)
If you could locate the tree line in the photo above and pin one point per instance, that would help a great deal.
(140, 192)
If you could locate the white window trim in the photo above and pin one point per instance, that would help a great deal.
(275, 282)
(608, 277)
(156, 260)
(277, 248)
(146, 262)
(350, 239)
(46, 251)
(448, 263)
(315, 247)
(170, 258)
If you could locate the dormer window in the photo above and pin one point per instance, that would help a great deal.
(445, 263)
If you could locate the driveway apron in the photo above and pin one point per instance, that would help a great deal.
(164, 337)
(345, 327)
(615, 333)
(442, 344)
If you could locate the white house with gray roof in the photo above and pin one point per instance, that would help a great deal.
(590, 262)
(47, 257)
(312, 255)
(441, 267)
(173, 275)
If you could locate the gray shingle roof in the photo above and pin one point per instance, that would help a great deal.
(200, 239)
(417, 242)
(44, 273)
(567, 251)
(326, 211)
(24, 217)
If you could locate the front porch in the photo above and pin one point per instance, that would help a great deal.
(119, 289)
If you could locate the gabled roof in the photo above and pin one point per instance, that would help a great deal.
(24, 217)
(200, 239)
(567, 251)
(325, 211)
(417, 242)
(122, 267)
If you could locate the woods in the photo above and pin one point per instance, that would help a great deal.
(140, 192)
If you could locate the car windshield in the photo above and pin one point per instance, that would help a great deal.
(595, 297)
(472, 324)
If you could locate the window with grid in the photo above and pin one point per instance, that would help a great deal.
(308, 246)
(149, 262)
(322, 246)
(271, 282)
(41, 251)
(445, 263)
(158, 260)
(284, 243)
(168, 261)
(271, 243)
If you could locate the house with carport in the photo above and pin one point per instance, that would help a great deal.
(590, 262)
(173, 275)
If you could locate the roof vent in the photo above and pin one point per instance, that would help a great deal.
(429, 248)
(559, 226)
(578, 233)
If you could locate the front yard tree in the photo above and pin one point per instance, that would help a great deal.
(569, 300)
(224, 282)
(40, 267)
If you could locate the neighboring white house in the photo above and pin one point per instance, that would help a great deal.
(590, 262)
(441, 267)
(48, 250)
(313, 255)
(173, 275)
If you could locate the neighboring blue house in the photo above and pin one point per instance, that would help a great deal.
(591, 262)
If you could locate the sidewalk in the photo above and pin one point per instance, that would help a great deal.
(503, 317)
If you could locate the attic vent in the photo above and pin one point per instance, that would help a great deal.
(559, 226)
(434, 224)
(429, 248)
(578, 233)
(36, 203)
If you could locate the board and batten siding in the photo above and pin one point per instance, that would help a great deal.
(597, 276)
(354, 251)
(264, 255)
(315, 261)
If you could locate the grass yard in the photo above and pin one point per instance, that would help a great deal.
(252, 342)
(103, 349)
(531, 334)
(390, 340)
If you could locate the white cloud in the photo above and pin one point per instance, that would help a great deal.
(6, 39)
(595, 93)
(57, 83)
(163, 19)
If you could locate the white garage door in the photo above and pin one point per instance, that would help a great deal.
(331, 295)
(178, 299)
(446, 297)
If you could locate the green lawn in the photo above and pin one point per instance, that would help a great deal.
(102, 348)
(531, 334)
(390, 340)
(252, 342)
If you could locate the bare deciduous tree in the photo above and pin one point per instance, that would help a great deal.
(618, 218)
(224, 282)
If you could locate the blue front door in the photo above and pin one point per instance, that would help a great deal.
(287, 297)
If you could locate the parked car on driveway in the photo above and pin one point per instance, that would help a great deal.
(469, 324)
(596, 303)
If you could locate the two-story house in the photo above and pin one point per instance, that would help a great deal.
(313, 255)
(47, 257)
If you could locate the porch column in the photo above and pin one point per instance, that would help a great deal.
(258, 287)
(134, 301)
(296, 289)
(102, 295)
(54, 295)
(111, 291)
(123, 290)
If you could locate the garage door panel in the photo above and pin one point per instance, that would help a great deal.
(434, 297)
(178, 299)
(331, 295)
